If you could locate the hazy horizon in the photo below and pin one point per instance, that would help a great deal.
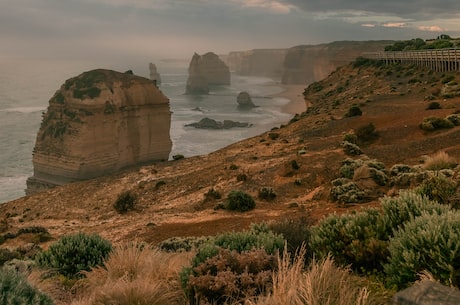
(135, 31)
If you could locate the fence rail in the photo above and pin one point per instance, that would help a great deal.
(439, 60)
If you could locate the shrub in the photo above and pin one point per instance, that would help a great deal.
(296, 232)
(346, 191)
(273, 135)
(7, 255)
(428, 243)
(438, 187)
(454, 119)
(447, 79)
(241, 177)
(351, 149)
(239, 201)
(14, 289)
(366, 133)
(350, 137)
(234, 167)
(212, 194)
(353, 111)
(125, 202)
(433, 123)
(72, 254)
(440, 160)
(267, 193)
(258, 242)
(182, 244)
(358, 238)
(400, 168)
(295, 165)
(433, 105)
(178, 157)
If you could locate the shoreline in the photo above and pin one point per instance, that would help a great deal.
(293, 93)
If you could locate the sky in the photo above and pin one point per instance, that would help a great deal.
(158, 29)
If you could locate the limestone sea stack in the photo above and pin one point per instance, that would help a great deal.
(204, 71)
(154, 75)
(244, 100)
(98, 123)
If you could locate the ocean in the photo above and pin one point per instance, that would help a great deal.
(26, 87)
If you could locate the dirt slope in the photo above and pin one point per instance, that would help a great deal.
(171, 194)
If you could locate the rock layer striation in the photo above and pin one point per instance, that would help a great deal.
(99, 123)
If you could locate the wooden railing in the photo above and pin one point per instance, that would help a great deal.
(437, 60)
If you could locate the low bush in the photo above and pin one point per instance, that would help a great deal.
(267, 193)
(454, 119)
(212, 194)
(346, 191)
(125, 202)
(296, 232)
(428, 243)
(358, 238)
(72, 254)
(182, 244)
(178, 157)
(366, 133)
(438, 187)
(350, 137)
(351, 149)
(15, 289)
(239, 201)
(353, 111)
(433, 105)
(433, 123)
(440, 160)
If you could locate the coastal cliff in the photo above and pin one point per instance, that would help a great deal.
(98, 123)
(258, 62)
(306, 64)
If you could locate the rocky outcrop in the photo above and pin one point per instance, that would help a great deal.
(207, 123)
(205, 71)
(154, 75)
(309, 63)
(258, 62)
(244, 100)
(197, 82)
(98, 123)
(427, 293)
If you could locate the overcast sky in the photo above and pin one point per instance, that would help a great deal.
(92, 29)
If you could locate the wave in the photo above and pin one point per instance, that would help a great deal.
(24, 109)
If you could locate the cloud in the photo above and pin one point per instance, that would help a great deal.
(270, 5)
(395, 25)
(368, 25)
(430, 28)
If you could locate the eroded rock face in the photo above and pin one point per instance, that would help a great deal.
(154, 75)
(204, 71)
(98, 123)
(309, 63)
(258, 62)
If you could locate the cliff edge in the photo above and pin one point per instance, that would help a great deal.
(98, 123)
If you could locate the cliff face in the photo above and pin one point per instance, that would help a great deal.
(307, 64)
(259, 62)
(98, 123)
(206, 70)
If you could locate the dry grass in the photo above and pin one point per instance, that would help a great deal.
(321, 284)
(135, 275)
(440, 160)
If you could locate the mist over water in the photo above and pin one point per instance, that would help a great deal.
(25, 89)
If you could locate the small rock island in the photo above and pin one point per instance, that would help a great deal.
(99, 123)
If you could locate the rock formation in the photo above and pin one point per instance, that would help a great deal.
(197, 82)
(306, 64)
(258, 62)
(98, 123)
(204, 71)
(207, 123)
(244, 100)
(154, 75)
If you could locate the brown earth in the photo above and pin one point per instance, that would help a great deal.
(171, 194)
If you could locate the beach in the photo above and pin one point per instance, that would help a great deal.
(294, 93)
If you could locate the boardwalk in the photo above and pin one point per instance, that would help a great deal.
(441, 60)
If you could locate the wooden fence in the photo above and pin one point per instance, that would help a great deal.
(438, 60)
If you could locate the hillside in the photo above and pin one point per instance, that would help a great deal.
(171, 194)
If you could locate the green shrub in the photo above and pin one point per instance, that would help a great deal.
(353, 111)
(178, 157)
(182, 244)
(345, 191)
(7, 255)
(267, 193)
(350, 137)
(433, 105)
(273, 135)
(72, 254)
(454, 119)
(447, 78)
(296, 232)
(15, 290)
(358, 238)
(438, 187)
(400, 168)
(239, 201)
(433, 123)
(212, 194)
(428, 243)
(366, 133)
(351, 149)
(125, 202)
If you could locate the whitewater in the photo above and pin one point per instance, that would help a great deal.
(26, 87)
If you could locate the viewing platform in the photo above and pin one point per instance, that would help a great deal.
(441, 60)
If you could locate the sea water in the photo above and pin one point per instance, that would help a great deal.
(26, 87)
